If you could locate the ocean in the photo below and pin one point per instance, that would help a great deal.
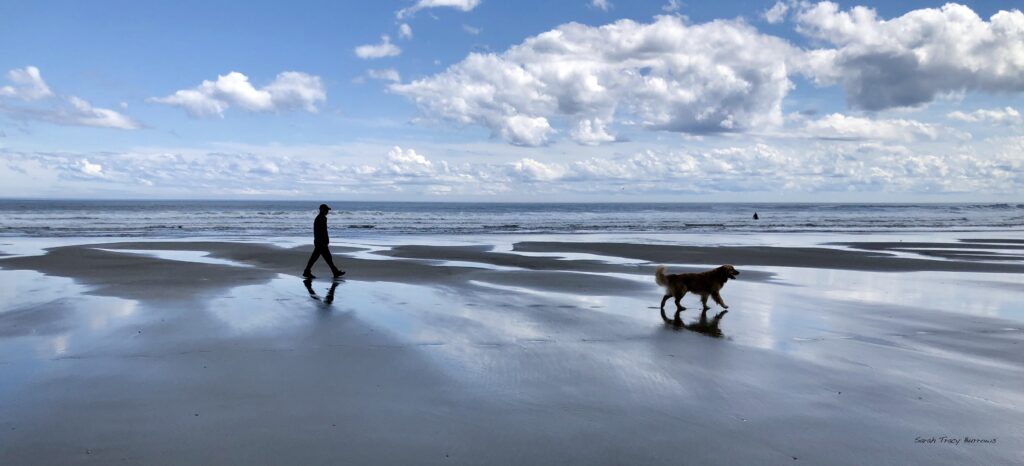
(177, 219)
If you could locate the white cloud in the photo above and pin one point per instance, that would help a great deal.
(387, 74)
(591, 132)
(70, 110)
(1005, 116)
(839, 126)
(384, 49)
(910, 60)
(523, 130)
(407, 162)
(289, 90)
(292, 89)
(90, 169)
(777, 13)
(86, 115)
(720, 76)
(29, 84)
(531, 170)
(847, 167)
(471, 30)
(404, 31)
(463, 5)
(805, 167)
(672, 6)
(603, 5)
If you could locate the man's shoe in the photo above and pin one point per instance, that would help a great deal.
(338, 273)
(308, 274)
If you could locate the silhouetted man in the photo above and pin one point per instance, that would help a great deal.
(320, 242)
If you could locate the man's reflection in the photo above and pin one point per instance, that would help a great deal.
(329, 298)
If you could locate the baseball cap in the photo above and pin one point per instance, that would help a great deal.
(324, 207)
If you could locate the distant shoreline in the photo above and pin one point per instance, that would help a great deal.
(184, 219)
(1018, 203)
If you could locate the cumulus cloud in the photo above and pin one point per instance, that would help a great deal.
(404, 31)
(912, 59)
(591, 132)
(1005, 116)
(523, 130)
(838, 166)
(28, 84)
(86, 115)
(853, 167)
(603, 5)
(384, 49)
(90, 169)
(44, 105)
(289, 90)
(720, 76)
(531, 170)
(672, 6)
(777, 13)
(839, 126)
(386, 74)
(463, 5)
(407, 162)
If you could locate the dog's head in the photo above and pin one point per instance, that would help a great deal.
(728, 272)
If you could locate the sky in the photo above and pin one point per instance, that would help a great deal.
(502, 100)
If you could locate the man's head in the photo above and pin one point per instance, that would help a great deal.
(324, 209)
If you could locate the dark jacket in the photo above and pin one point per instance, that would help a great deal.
(320, 230)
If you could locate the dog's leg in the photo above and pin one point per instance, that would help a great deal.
(704, 301)
(718, 299)
(679, 307)
(703, 317)
(663, 301)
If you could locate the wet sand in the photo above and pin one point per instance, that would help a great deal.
(138, 353)
(808, 257)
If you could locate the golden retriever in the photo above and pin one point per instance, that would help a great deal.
(703, 283)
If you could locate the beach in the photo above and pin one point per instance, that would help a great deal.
(490, 233)
(506, 349)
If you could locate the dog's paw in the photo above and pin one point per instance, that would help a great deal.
(725, 307)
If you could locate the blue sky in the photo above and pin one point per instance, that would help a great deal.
(512, 100)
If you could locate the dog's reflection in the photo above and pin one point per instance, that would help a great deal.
(702, 325)
(329, 298)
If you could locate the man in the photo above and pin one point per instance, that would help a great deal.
(320, 242)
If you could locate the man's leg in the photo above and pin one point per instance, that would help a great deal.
(312, 259)
(326, 252)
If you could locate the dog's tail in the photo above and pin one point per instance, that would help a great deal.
(659, 276)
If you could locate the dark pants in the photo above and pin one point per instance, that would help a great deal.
(321, 250)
